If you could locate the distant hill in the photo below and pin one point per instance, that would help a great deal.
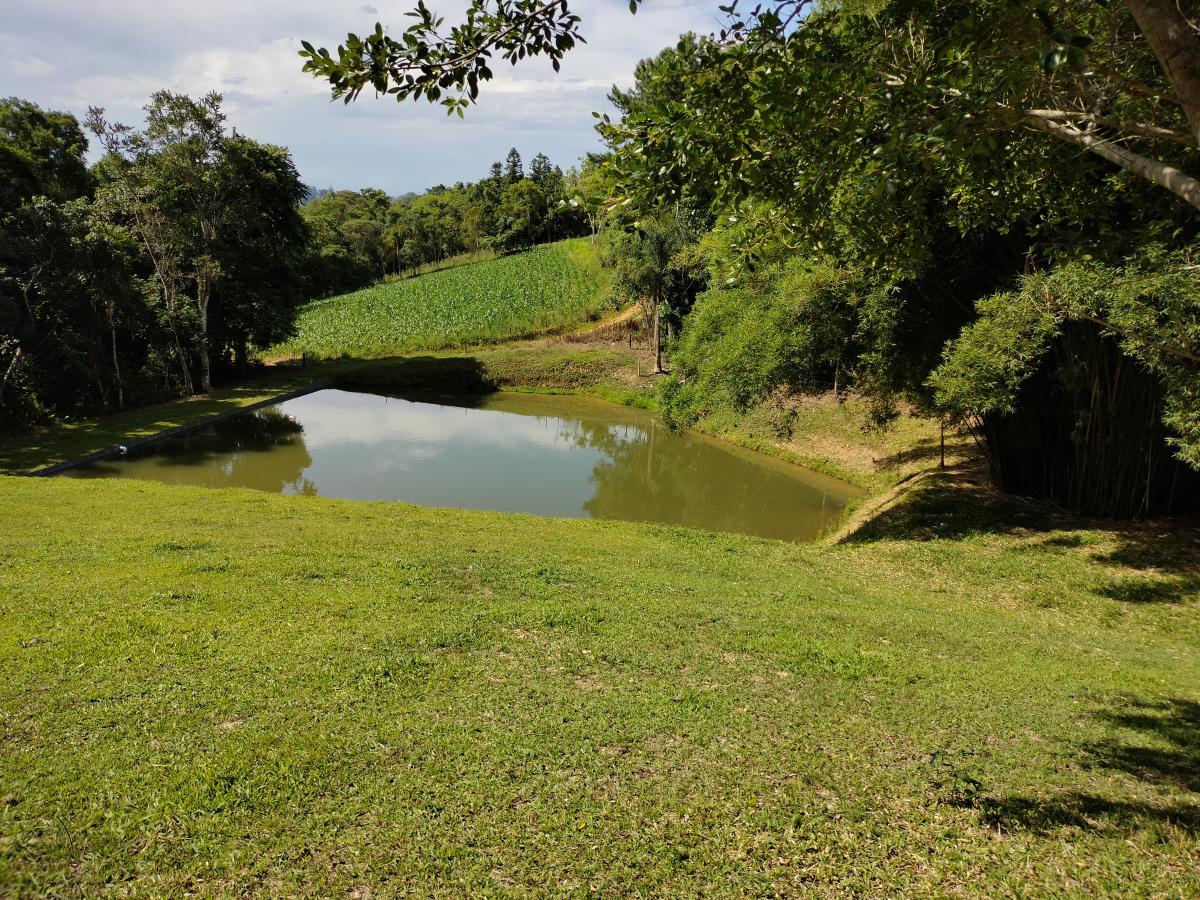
(311, 193)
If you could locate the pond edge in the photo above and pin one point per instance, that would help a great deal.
(120, 449)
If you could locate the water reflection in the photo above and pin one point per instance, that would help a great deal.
(263, 450)
(554, 456)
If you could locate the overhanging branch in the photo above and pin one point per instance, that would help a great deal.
(1155, 171)
(1137, 129)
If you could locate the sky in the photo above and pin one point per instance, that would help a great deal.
(71, 54)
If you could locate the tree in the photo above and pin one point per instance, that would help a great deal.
(47, 307)
(165, 177)
(192, 193)
(522, 216)
(587, 191)
(54, 334)
(262, 251)
(1120, 342)
(41, 154)
(541, 170)
(349, 247)
(513, 169)
(650, 263)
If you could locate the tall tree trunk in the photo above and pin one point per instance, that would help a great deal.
(1174, 36)
(184, 368)
(112, 331)
(657, 340)
(205, 366)
(12, 365)
(203, 288)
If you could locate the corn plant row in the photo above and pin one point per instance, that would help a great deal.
(547, 287)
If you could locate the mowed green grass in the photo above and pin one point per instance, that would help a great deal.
(229, 693)
(548, 287)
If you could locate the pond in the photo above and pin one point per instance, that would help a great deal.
(508, 452)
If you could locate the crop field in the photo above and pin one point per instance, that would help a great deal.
(543, 288)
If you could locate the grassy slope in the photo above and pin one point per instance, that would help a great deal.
(230, 692)
(828, 434)
(549, 287)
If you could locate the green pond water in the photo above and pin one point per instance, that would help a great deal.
(528, 453)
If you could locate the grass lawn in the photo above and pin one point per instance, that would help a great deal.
(223, 692)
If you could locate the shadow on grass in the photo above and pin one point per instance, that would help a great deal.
(1156, 743)
(1174, 590)
(1174, 729)
(958, 504)
(1089, 812)
(928, 451)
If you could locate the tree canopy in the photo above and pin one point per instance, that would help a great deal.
(359, 236)
(175, 255)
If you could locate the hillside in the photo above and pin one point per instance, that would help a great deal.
(553, 286)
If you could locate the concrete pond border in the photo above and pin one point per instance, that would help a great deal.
(121, 449)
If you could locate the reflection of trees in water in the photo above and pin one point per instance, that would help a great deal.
(655, 475)
(644, 473)
(260, 430)
(587, 433)
(263, 450)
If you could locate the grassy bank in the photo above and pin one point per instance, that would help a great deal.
(224, 692)
(44, 446)
(549, 287)
(830, 435)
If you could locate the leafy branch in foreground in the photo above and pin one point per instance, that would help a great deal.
(426, 60)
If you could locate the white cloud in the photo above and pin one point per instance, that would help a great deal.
(114, 53)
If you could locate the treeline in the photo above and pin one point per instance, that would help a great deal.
(141, 277)
(361, 236)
